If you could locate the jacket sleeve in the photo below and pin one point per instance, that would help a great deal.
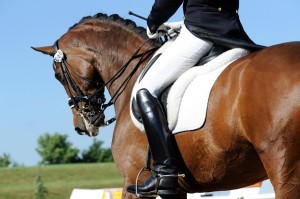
(161, 11)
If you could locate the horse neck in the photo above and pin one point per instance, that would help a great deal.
(114, 57)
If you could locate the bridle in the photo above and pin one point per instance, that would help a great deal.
(96, 99)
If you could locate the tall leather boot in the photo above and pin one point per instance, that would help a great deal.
(164, 176)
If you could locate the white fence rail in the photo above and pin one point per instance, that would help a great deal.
(117, 194)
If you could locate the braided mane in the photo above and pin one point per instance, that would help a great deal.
(129, 24)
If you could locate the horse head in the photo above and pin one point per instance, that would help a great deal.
(74, 69)
(88, 55)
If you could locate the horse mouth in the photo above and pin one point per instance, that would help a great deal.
(92, 132)
(87, 127)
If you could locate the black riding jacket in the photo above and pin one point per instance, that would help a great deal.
(214, 16)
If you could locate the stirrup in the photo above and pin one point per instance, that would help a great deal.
(139, 195)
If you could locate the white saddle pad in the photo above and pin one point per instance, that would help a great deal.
(188, 98)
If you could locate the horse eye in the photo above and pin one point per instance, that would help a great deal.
(58, 76)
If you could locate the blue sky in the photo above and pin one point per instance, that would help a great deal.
(32, 102)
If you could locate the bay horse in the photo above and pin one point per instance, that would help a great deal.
(252, 129)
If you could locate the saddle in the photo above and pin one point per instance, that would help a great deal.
(185, 101)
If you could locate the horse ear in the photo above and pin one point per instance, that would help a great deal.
(48, 50)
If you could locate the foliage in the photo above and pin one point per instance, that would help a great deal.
(106, 156)
(96, 153)
(40, 189)
(5, 160)
(55, 149)
(60, 180)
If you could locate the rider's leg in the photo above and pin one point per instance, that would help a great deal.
(158, 136)
(176, 59)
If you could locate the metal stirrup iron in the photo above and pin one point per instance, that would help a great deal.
(159, 177)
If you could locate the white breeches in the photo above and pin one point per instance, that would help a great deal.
(179, 55)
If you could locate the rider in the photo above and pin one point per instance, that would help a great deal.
(205, 22)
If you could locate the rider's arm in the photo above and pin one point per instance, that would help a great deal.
(161, 11)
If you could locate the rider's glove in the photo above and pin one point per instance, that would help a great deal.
(174, 27)
(161, 31)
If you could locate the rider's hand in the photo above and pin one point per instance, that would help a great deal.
(161, 31)
(174, 27)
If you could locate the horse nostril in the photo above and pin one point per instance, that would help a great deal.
(79, 131)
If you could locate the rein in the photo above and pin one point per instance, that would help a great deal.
(94, 98)
(143, 56)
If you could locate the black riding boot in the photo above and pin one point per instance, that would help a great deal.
(164, 177)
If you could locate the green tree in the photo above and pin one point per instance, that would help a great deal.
(106, 156)
(55, 149)
(5, 160)
(96, 153)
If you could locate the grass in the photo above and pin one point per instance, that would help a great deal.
(60, 180)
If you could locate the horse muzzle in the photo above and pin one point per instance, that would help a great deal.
(97, 120)
(88, 126)
(90, 131)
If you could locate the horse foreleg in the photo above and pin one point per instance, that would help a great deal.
(281, 160)
(286, 181)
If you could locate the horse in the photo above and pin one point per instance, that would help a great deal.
(252, 127)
